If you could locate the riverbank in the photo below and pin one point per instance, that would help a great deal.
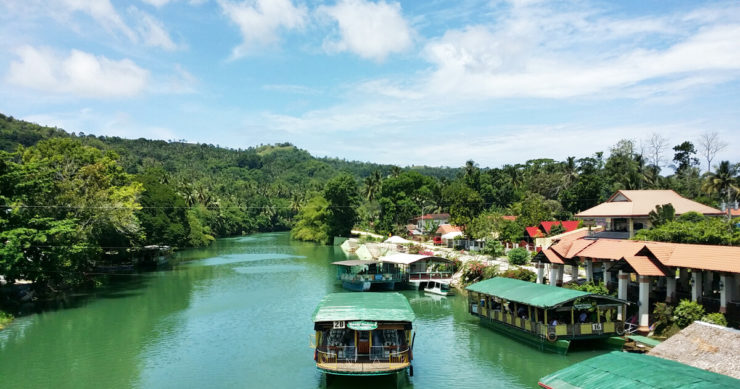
(5, 318)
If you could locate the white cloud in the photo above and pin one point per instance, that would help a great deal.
(370, 30)
(157, 3)
(90, 121)
(261, 20)
(78, 73)
(152, 31)
(546, 53)
(103, 12)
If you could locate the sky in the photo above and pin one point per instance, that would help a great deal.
(425, 82)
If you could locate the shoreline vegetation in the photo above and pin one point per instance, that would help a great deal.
(71, 203)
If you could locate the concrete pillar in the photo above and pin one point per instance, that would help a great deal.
(630, 227)
(589, 270)
(723, 286)
(553, 273)
(683, 278)
(606, 265)
(696, 292)
(644, 304)
(622, 293)
(573, 272)
(670, 289)
(540, 272)
(736, 287)
(561, 270)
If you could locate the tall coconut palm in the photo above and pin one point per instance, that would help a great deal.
(373, 183)
(722, 181)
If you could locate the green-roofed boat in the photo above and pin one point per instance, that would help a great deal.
(629, 370)
(545, 316)
(363, 334)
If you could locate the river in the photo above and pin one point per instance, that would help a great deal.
(238, 315)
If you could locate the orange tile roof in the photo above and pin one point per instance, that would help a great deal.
(534, 232)
(613, 249)
(447, 228)
(578, 246)
(704, 257)
(627, 203)
(734, 212)
(644, 266)
(552, 256)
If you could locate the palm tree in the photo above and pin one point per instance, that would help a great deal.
(722, 181)
(373, 183)
(395, 171)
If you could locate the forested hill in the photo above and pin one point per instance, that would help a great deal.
(230, 191)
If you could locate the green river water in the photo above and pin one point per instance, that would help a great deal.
(238, 315)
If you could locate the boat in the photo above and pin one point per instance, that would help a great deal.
(363, 334)
(418, 270)
(438, 287)
(547, 317)
(363, 275)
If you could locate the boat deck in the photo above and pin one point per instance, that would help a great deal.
(360, 368)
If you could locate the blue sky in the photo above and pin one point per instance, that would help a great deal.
(408, 83)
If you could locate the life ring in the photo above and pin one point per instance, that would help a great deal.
(620, 329)
(552, 336)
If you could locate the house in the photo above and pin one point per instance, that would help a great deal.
(628, 210)
(429, 220)
(539, 233)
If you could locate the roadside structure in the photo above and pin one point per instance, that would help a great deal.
(628, 210)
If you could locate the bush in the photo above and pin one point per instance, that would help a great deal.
(520, 274)
(663, 316)
(477, 271)
(493, 248)
(589, 287)
(715, 318)
(687, 312)
(518, 256)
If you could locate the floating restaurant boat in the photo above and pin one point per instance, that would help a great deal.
(396, 271)
(438, 287)
(363, 334)
(545, 316)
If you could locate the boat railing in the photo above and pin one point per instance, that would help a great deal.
(430, 275)
(392, 354)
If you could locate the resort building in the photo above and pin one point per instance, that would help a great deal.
(651, 271)
(628, 211)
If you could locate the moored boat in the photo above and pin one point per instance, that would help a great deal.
(438, 287)
(545, 316)
(364, 275)
(363, 334)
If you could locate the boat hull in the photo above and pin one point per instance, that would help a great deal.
(356, 286)
(559, 346)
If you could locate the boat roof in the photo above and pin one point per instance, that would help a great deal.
(364, 306)
(355, 262)
(407, 259)
(536, 295)
(630, 370)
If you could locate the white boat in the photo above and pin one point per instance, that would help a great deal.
(437, 287)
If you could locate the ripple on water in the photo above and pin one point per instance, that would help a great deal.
(238, 258)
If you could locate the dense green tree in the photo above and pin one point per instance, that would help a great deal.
(463, 203)
(684, 156)
(662, 214)
(343, 197)
(311, 222)
(710, 230)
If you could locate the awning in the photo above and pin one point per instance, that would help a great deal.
(366, 306)
(536, 295)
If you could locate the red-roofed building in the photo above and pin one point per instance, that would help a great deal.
(425, 222)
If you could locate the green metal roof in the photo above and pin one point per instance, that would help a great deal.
(536, 295)
(618, 370)
(364, 306)
(643, 339)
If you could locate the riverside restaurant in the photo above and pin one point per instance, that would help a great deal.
(363, 334)
(392, 272)
(544, 316)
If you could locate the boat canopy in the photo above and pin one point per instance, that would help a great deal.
(367, 306)
(356, 262)
(536, 295)
(407, 259)
(629, 370)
